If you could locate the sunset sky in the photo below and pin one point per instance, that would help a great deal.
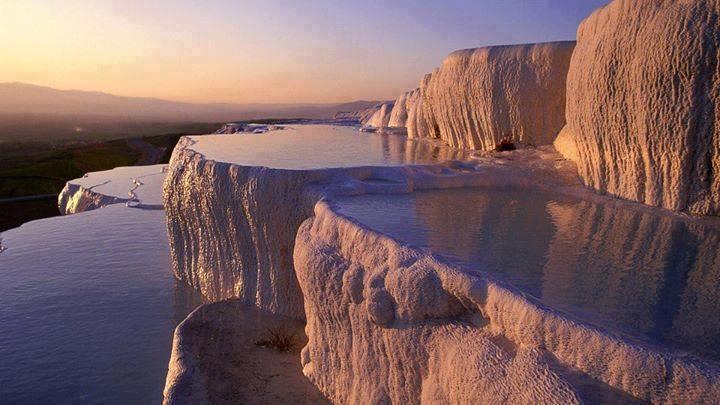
(254, 51)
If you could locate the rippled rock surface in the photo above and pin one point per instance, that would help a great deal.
(479, 97)
(643, 103)
(137, 186)
(388, 322)
(234, 202)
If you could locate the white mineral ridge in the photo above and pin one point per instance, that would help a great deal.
(404, 103)
(234, 202)
(139, 186)
(362, 116)
(388, 323)
(481, 96)
(643, 103)
(238, 128)
(381, 118)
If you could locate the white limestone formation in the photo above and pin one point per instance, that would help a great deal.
(362, 116)
(242, 127)
(479, 97)
(643, 101)
(387, 323)
(137, 186)
(404, 103)
(381, 118)
(233, 214)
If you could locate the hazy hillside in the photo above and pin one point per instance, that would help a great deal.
(35, 113)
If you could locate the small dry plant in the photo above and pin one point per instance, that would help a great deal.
(279, 338)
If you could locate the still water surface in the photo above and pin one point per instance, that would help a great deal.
(88, 304)
(302, 147)
(653, 277)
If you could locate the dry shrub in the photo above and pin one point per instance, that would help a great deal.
(279, 338)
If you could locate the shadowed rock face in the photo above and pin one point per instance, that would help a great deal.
(642, 103)
(480, 96)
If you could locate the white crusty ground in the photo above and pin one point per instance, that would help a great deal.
(381, 118)
(386, 322)
(136, 185)
(404, 103)
(480, 96)
(389, 323)
(232, 227)
(643, 101)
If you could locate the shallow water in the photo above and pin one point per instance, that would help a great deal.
(300, 147)
(142, 182)
(653, 277)
(88, 304)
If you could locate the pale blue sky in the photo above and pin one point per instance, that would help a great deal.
(261, 51)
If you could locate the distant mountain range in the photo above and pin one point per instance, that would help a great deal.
(21, 98)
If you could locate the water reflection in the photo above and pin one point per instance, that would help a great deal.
(321, 146)
(88, 304)
(651, 276)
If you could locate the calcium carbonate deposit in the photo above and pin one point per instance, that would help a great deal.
(414, 288)
(385, 321)
(402, 107)
(381, 118)
(138, 186)
(479, 97)
(390, 323)
(250, 189)
(643, 103)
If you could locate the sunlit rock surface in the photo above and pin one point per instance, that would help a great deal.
(480, 96)
(217, 357)
(381, 118)
(643, 103)
(234, 203)
(242, 127)
(404, 103)
(574, 255)
(362, 116)
(386, 322)
(138, 186)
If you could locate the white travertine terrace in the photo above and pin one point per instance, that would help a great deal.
(139, 186)
(362, 116)
(388, 323)
(403, 105)
(234, 202)
(480, 96)
(385, 321)
(381, 118)
(643, 103)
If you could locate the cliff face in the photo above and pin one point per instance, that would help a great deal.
(643, 101)
(481, 96)
(381, 118)
(404, 103)
(232, 227)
